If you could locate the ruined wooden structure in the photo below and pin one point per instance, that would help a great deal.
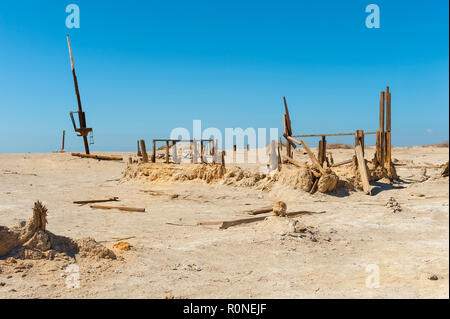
(171, 143)
(383, 143)
(82, 129)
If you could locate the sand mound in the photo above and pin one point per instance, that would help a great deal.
(167, 173)
(295, 177)
(32, 241)
(444, 172)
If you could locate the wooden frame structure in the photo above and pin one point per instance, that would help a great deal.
(173, 142)
(383, 135)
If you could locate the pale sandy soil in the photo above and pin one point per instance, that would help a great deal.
(246, 261)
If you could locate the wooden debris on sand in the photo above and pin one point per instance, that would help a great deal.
(98, 157)
(124, 208)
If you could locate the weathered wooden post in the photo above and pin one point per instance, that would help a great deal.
(82, 130)
(138, 149)
(167, 152)
(359, 139)
(144, 152)
(154, 152)
(388, 147)
(63, 140)
(380, 138)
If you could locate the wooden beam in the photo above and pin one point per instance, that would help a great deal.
(128, 209)
(82, 202)
(310, 154)
(363, 169)
(337, 134)
(388, 110)
(98, 157)
(342, 163)
(227, 224)
(260, 210)
(293, 161)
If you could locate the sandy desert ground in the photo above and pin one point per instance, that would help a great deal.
(173, 257)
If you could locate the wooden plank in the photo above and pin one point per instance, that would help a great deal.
(324, 149)
(342, 163)
(260, 210)
(363, 170)
(124, 208)
(293, 161)
(288, 117)
(315, 162)
(98, 157)
(227, 224)
(337, 134)
(90, 201)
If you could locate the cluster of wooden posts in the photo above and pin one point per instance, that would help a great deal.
(383, 142)
(142, 152)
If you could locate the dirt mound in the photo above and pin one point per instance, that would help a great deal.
(167, 173)
(32, 241)
(237, 176)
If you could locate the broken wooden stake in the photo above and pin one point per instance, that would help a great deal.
(128, 209)
(144, 152)
(98, 157)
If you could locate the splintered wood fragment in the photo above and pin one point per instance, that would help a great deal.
(363, 170)
(209, 223)
(342, 163)
(99, 157)
(111, 199)
(260, 210)
(310, 154)
(128, 209)
(314, 187)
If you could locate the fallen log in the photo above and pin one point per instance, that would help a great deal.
(98, 157)
(128, 209)
(111, 199)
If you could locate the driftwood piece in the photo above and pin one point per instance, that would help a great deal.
(363, 169)
(128, 209)
(111, 199)
(260, 210)
(98, 157)
(230, 223)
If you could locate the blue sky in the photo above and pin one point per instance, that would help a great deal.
(146, 67)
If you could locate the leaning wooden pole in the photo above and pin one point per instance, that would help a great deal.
(81, 114)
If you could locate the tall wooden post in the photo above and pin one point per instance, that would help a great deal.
(144, 152)
(63, 140)
(138, 149)
(388, 147)
(359, 139)
(380, 146)
(201, 152)
(167, 151)
(154, 152)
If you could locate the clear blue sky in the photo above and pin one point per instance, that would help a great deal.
(145, 67)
